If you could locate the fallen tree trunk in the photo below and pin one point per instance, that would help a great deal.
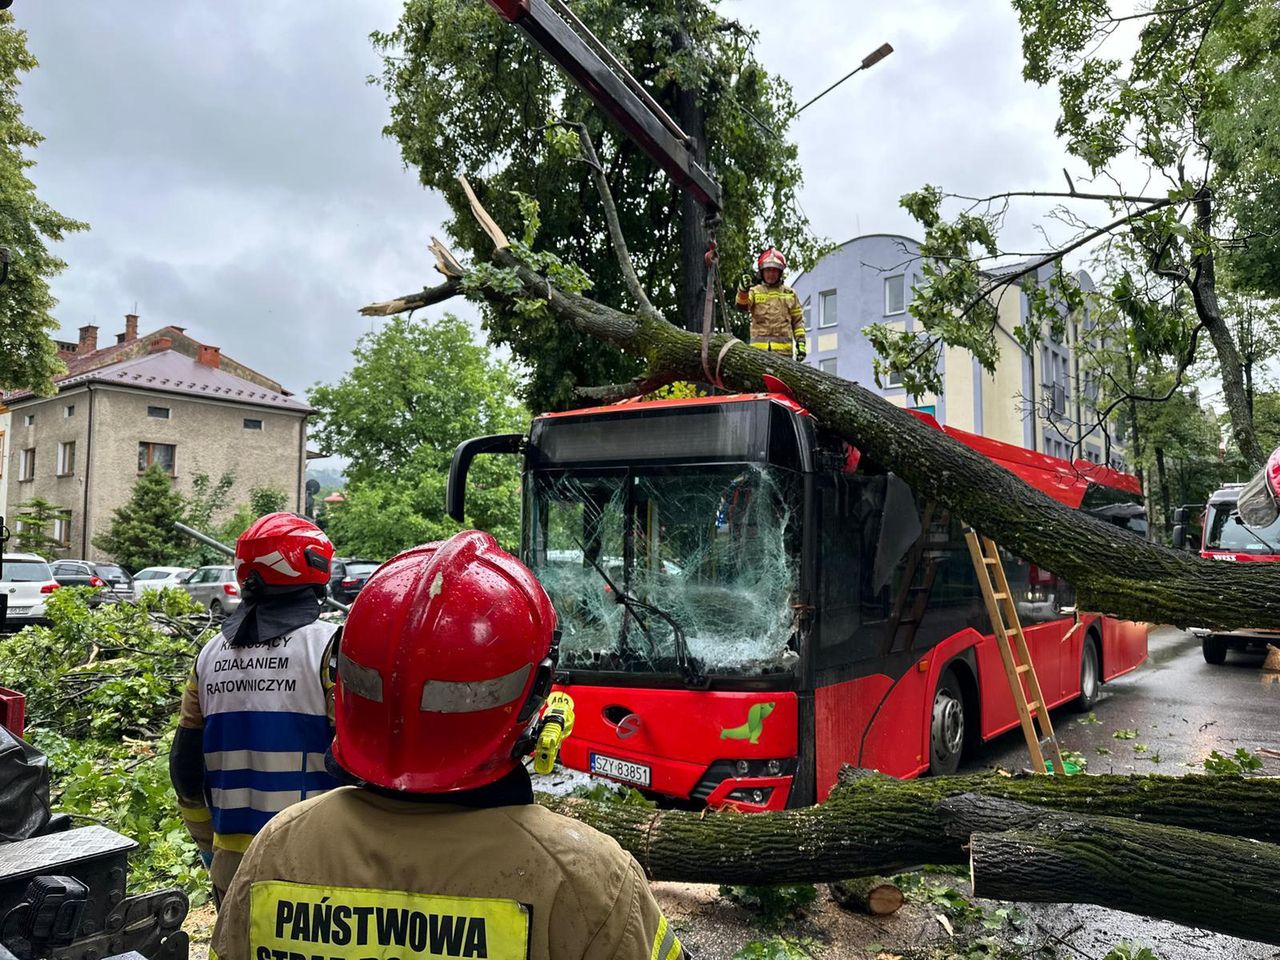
(876, 824)
(1113, 571)
(1195, 879)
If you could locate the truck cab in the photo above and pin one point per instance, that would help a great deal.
(1228, 539)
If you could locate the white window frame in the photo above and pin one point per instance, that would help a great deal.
(822, 365)
(62, 529)
(168, 412)
(66, 458)
(823, 321)
(69, 410)
(895, 379)
(2, 454)
(29, 420)
(26, 473)
(903, 309)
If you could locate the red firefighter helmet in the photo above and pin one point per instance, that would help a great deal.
(283, 550)
(444, 662)
(771, 258)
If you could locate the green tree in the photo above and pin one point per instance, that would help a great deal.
(262, 500)
(1163, 103)
(208, 497)
(141, 533)
(466, 89)
(415, 391)
(28, 357)
(35, 533)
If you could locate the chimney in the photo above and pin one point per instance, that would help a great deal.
(161, 343)
(210, 356)
(130, 327)
(88, 339)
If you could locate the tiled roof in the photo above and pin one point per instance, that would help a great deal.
(172, 372)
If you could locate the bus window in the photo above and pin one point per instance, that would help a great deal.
(869, 523)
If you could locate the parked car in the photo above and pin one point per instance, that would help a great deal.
(215, 589)
(116, 584)
(347, 575)
(26, 581)
(158, 578)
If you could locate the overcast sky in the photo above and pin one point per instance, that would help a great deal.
(229, 157)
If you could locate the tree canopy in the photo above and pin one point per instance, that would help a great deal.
(469, 94)
(28, 357)
(415, 391)
(1191, 101)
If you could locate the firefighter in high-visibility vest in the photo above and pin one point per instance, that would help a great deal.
(254, 724)
(436, 848)
(777, 318)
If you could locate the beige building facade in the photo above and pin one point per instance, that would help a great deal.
(84, 449)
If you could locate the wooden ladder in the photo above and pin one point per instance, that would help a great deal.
(1015, 656)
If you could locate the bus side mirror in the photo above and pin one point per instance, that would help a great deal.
(1179, 533)
(456, 492)
(1181, 516)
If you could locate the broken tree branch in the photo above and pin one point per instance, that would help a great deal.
(611, 218)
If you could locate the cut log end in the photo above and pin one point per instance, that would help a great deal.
(876, 896)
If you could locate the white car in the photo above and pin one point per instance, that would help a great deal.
(158, 578)
(26, 582)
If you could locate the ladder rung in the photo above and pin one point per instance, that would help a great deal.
(1025, 668)
(999, 596)
(991, 560)
(1033, 705)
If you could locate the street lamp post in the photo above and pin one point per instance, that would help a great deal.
(870, 60)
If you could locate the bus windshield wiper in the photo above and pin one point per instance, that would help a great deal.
(684, 662)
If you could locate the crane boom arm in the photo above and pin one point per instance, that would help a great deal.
(641, 119)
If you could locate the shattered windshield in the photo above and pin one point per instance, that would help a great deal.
(709, 551)
(1226, 532)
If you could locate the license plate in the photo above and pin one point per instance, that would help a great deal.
(620, 769)
(19, 611)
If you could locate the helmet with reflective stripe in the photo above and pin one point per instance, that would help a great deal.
(771, 258)
(283, 550)
(444, 662)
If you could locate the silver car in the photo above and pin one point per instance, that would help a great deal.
(215, 589)
(158, 578)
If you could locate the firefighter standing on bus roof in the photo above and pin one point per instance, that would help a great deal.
(254, 724)
(436, 847)
(777, 319)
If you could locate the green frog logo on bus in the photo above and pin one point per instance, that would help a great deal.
(751, 730)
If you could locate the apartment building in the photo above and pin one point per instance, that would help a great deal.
(162, 397)
(1041, 400)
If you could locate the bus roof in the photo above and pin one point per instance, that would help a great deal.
(1064, 480)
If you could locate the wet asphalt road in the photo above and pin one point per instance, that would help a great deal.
(1180, 709)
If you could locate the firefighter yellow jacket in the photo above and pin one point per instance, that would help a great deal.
(776, 314)
(356, 875)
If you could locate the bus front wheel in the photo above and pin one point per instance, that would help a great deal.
(947, 726)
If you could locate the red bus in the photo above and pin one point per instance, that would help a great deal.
(747, 603)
